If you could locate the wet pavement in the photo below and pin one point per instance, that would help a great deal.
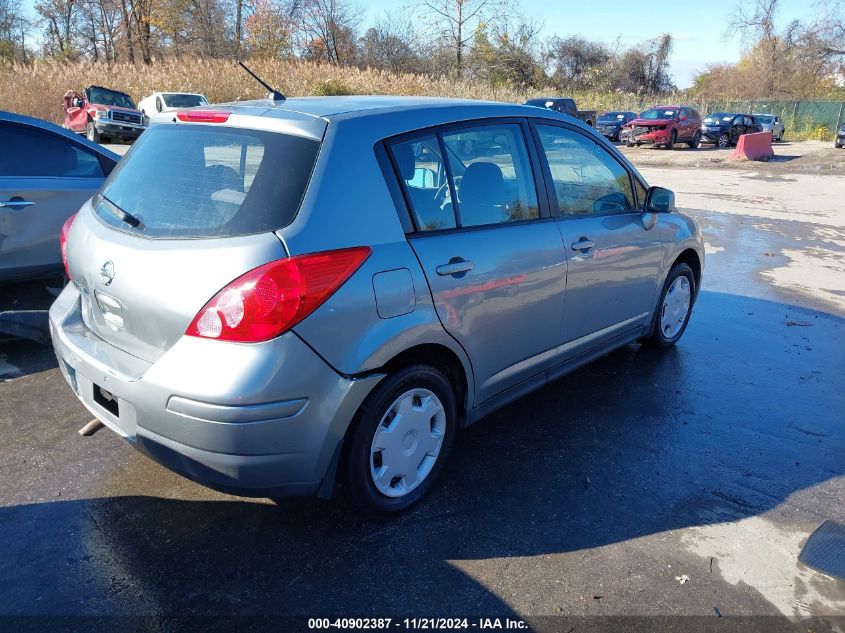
(681, 482)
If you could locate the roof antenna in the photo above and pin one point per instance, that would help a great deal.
(272, 94)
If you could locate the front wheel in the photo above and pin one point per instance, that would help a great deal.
(724, 141)
(674, 308)
(91, 132)
(401, 438)
(672, 139)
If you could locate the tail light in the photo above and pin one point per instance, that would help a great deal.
(271, 299)
(63, 242)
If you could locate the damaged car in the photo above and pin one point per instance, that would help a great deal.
(102, 113)
(663, 126)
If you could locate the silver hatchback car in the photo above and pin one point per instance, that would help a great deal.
(290, 297)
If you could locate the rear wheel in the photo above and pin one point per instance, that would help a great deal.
(91, 132)
(674, 308)
(401, 438)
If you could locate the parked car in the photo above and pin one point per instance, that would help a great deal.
(771, 123)
(840, 137)
(564, 105)
(161, 106)
(610, 124)
(280, 336)
(723, 129)
(46, 173)
(102, 114)
(664, 126)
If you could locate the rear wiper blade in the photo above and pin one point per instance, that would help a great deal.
(120, 214)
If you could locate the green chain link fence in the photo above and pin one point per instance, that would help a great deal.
(807, 119)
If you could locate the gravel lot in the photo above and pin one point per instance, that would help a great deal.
(798, 157)
(680, 483)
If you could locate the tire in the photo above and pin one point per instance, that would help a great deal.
(660, 335)
(672, 140)
(91, 132)
(696, 141)
(724, 141)
(362, 460)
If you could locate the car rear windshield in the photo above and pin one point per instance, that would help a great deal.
(764, 119)
(184, 101)
(204, 181)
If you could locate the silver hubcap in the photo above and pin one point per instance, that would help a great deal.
(407, 442)
(723, 140)
(676, 305)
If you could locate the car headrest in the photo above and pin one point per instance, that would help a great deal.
(483, 183)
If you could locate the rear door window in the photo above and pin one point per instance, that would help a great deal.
(207, 181)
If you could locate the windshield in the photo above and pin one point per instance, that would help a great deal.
(610, 117)
(183, 100)
(207, 181)
(659, 113)
(540, 103)
(719, 117)
(104, 96)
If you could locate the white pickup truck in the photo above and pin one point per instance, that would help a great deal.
(160, 106)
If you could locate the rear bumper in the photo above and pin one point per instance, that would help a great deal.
(257, 420)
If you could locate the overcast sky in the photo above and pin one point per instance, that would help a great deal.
(697, 28)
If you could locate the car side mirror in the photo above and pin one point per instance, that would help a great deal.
(659, 200)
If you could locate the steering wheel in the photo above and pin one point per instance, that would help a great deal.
(440, 194)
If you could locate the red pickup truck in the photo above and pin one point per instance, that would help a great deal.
(102, 113)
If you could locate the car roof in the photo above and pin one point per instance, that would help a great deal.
(353, 106)
(47, 126)
(381, 116)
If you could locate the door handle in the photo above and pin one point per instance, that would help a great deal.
(583, 244)
(456, 267)
(16, 203)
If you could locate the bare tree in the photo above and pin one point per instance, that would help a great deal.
(392, 43)
(455, 22)
(14, 29)
(800, 58)
(59, 18)
(575, 60)
(330, 29)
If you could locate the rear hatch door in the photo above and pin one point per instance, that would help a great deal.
(206, 200)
